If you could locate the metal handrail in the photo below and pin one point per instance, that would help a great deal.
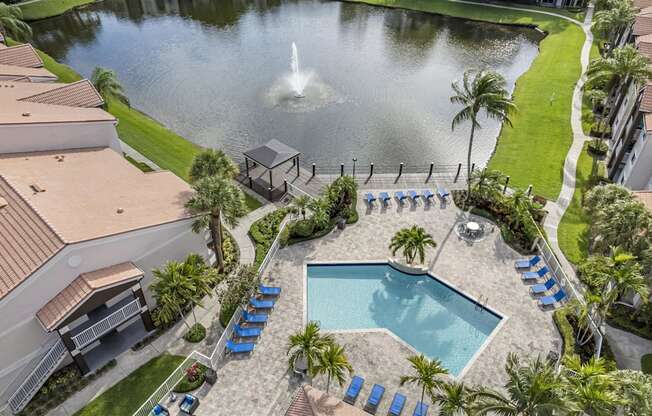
(107, 324)
(37, 377)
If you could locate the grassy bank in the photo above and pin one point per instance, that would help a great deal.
(147, 136)
(533, 151)
(131, 392)
(42, 9)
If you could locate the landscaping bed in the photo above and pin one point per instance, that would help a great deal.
(264, 231)
(567, 325)
(195, 377)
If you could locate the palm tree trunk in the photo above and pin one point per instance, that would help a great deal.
(328, 383)
(216, 230)
(194, 317)
(468, 162)
(423, 388)
(183, 318)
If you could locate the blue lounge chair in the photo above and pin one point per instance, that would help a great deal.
(269, 290)
(540, 288)
(239, 347)
(370, 198)
(384, 196)
(442, 192)
(550, 300)
(526, 264)
(261, 304)
(396, 407)
(254, 318)
(427, 195)
(354, 389)
(421, 409)
(535, 275)
(374, 399)
(159, 410)
(241, 332)
(414, 195)
(400, 196)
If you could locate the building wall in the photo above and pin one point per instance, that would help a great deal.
(637, 173)
(17, 138)
(22, 338)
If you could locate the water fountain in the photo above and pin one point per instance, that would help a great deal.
(298, 80)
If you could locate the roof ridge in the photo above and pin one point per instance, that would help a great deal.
(28, 46)
(33, 208)
(64, 87)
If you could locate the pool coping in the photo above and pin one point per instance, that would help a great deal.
(503, 317)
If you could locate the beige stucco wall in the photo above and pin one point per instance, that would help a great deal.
(18, 138)
(21, 335)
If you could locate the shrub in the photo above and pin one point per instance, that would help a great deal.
(598, 148)
(646, 363)
(302, 228)
(566, 331)
(196, 333)
(239, 286)
(264, 231)
(195, 376)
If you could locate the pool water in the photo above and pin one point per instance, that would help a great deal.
(432, 317)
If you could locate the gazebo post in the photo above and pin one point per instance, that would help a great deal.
(271, 185)
(298, 173)
(247, 166)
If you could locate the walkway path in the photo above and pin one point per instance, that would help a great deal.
(557, 209)
(241, 233)
(627, 347)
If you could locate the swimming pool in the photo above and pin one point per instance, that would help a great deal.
(432, 317)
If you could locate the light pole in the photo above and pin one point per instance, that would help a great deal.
(354, 160)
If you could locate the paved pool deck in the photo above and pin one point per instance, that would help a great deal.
(260, 384)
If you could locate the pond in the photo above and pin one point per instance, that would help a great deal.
(218, 73)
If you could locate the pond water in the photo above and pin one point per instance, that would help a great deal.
(216, 72)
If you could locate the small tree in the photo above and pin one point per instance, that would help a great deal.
(107, 84)
(333, 362)
(301, 203)
(413, 241)
(454, 399)
(172, 291)
(203, 278)
(308, 345)
(236, 291)
(427, 375)
(212, 162)
(12, 24)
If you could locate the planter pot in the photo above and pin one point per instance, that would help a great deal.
(416, 269)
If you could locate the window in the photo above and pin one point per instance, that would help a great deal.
(633, 157)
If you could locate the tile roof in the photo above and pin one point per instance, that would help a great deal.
(77, 94)
(300, 405)
(309, 401)
(77, 292)
(272, 154)
(642, 4)
(646, 99)
(26, 240)
(644, 45)
(642, 25)
(22, 55)
(645, 197)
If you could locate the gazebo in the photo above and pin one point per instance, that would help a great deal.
(270, 163)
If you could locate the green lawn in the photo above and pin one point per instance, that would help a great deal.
(574, 225)
(533, 151)
(41, 9)
(131, 392)
(588, 117)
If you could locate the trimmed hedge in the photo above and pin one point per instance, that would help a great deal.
(264, 231)
(566, 330)
(195, 334)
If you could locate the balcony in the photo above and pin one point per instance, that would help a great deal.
(115, 343)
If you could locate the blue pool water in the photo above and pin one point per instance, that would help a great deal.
(430, 316)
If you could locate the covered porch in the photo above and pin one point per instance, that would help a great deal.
(268, 167)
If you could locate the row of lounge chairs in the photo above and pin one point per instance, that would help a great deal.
(529, 275)
(255, 317)
(376, 396)
(411, 195)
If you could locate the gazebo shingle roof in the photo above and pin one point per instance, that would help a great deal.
(272, 154)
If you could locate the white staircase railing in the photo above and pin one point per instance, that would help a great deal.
(38, 376)
(105, 325)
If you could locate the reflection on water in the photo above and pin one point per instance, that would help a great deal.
(209, 68)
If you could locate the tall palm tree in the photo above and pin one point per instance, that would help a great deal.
(107, 84)
(12, 24)
(320, 212)
(212, 162)
(202, 277)
(487, 184)
(215, 200)
(413, 241)
(626, 278)
(301, 203)
(611, 22)
(485, 92)
(171, 289)
(333, 362)
(591, 387)
(308, 345)
(534, 389)
(427, 374)
(454, 399)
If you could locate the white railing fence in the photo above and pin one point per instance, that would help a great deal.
(276, 244)
(295, 191)
(105, 325)
(41, 372)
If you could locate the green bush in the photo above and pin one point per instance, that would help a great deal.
(236, 291)
(231, 252)
(196, 333)
(264, 231)
(288, 240)
(566, 331)
(302, 228)
(598, 147)
(195, 376)
(646, 363)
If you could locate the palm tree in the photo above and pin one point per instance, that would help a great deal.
(625, 224)
(454, 399)
(597, 97)
(195, 269)
(591, 387)
(601, 196)
(626, 277)
(591, 309)
(211, 162)
(613, 21)
(413, 241)
(534, 389)
(107, 84)
(333, 362)
(340, 193)
(301, 203)
(320, 213)
(215, 200)
(427, 374)
(486, 183)
(12, 24)
(172, 290)
(486, 91)
(308, 345)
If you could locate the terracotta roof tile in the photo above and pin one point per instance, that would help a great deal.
(26, 240)
(300, 405)
(642, 25)
(21, 55)
(81, 288)
(646, 99)
(78, 94)
(642, 4)
(644, 45)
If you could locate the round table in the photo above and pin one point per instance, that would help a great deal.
(472, 226)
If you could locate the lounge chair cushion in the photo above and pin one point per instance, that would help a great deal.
(398, 402)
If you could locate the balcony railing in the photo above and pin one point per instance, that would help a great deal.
(107, 324)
